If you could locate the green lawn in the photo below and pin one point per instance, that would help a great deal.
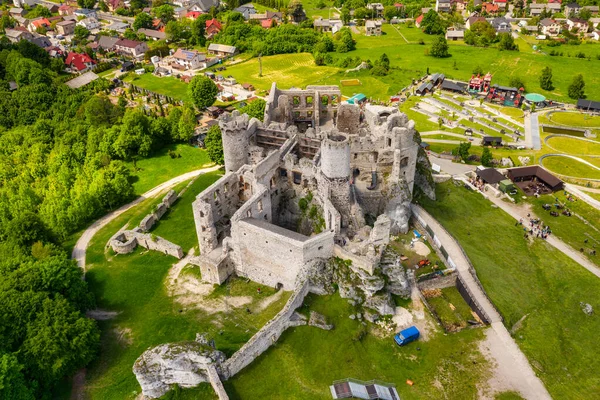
(442, 137)
(569, 167)
(533, 280)
(177, 225)
(574, 146)
(574, 119)
(306, 360)
(167, 85)
(134, 285)
(512, 112)
(310, 7)
(572, 230)
(452, 319)
(149, 172)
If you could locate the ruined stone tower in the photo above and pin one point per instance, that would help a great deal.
(235, 131)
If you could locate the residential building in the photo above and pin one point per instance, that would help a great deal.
(15, 35)
(78, 63)
(151, 33)
(41, 41)
(53, 8)
(16, 11)
(107, 43)
(373, 28)
(193, 15)
(399, 6)
(158, 25)
(490, 8)
(268, 23)
(572, 9)
(577, 24)
(593, 9)
(549, 27)
(328, 25)
(55, 51)
(222, 50)
(443, 6)
(458, 5)
(376, 9)
(38, 23)
(500, 3)
(277, 16)
(418, 21)
(472, 20)
(118, 26)
(65, 27)
(188, 59)
(84, 12)
(454, 35)
(200, 5)
(21, 3)
(596, 35)
(213, 26)
(594, 22)
(131, 47)
(501, 25)
(114, 4)
(536, 9)
(66, 10)
(246, 10)
(90, 23)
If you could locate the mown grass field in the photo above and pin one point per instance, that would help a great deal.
(134, 286)
(574, 146)
(167, 85)
(532, 281)
(576, 119)
(149, 172)
(570, 167)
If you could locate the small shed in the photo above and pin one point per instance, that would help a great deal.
(357, 99)
(506, 185)
(491, 141)
(490, 175)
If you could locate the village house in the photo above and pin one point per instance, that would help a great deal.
(595, 35)
(107, 43)
(213, 26)
(277, 16)
(458, 5)
(41, 41)
(90, 23)
(489, 8)
(39, 23)
(53, 8)
(328, 25)
(15, 35)
(221, 50)
(418, 21)
(594, 22)
(246, 10)
(65, 27)
(21, 3)
(152, 34)
(373, 28)
(132, 48)
(501, 25)
(549, 27)
(443, 6)
(536, 9)
(193, 15)
(79, 63)
(577, 25)
(593, 9)
(158, 25)
(472, 20)
(188, 59)
(16, 12)
(500, 3)
(454, 35)
(55, 52)
(66, 9)
(114, 4)
(572, 9)
(376, 9)
(86, 13)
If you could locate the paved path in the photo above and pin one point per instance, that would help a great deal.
(450, 167)
(506, 352)
(80, 248)
(521, 213)
(534, 129)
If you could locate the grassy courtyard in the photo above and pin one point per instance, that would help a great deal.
(576, 119)
(531, 282)
(149, 172)
(574, 146)
(134, 286)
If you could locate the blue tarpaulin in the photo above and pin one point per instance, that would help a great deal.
(417, 234)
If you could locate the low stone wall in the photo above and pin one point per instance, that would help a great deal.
(267, 335)
(215, 382)
(439, 282)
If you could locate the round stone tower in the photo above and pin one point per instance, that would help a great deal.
(335, 156)
(235, 139)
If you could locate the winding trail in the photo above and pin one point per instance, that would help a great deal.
(81, 246)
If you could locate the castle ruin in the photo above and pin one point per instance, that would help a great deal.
(304, 185)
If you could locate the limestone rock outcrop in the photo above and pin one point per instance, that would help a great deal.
(183, 363)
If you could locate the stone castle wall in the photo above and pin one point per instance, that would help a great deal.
(267, 335)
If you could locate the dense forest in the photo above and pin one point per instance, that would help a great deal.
(61, 165)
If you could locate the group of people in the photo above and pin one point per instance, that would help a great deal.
(536, 228)
(478, 183)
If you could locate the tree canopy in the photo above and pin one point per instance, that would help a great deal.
(439, 48)
(577, 88)
(203, 91)
(546, 79)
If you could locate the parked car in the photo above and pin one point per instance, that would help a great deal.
(406, 336)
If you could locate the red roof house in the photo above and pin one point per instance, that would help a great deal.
(266, 23)
(193, 14)
(76, 62)
(489, 8)
(418, 21)
(213, 26)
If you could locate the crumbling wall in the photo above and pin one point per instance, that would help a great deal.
(126, 241)
(267, 335)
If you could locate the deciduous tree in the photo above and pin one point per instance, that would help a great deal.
(203, 91)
